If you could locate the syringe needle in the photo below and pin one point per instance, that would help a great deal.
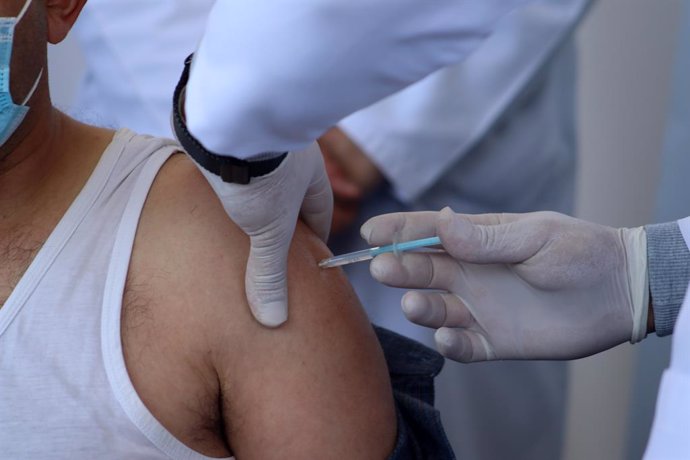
(368, 254)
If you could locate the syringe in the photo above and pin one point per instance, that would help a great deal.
(368, 254)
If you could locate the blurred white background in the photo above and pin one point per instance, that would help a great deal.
(627, 49)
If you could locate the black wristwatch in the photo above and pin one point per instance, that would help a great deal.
(230, 169)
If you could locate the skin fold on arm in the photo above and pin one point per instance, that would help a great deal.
(221, 383)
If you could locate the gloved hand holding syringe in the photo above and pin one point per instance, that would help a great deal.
(368, 254)
(518, 286)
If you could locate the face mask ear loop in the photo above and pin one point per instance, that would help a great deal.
(33, 90)
(24, 10)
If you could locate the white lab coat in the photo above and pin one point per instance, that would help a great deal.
(510, 147)
(670, 437)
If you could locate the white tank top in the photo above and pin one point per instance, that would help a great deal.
(64, 390)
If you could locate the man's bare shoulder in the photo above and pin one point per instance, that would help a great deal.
(316, 387)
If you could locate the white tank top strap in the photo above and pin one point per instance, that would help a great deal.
(113, 357)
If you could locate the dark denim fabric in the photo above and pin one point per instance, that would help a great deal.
(412, 368)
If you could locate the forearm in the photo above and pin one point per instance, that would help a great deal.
(669, 274)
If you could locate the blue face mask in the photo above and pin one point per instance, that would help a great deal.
(11, 114)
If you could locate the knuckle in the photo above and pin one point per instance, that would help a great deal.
(486, 240)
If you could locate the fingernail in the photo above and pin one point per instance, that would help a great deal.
(450, 224)
(272, 315)
(412, 307)
(447, 215)
(376, 269)
(365, 231)
(445, 337)
(446, 342)
(446, 221)
(408, 305)
(405, 301)
(383, 268)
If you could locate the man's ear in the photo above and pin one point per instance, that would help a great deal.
(61, 15)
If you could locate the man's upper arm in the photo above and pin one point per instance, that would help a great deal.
(318, 386)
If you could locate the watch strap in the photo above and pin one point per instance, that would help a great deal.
(230, 169)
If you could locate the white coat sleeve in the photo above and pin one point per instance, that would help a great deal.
(273, 75)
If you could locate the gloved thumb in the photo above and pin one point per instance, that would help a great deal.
(504, 241)
(266, 279)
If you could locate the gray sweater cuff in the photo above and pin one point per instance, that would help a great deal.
(668, 262)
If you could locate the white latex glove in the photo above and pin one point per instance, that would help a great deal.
(274, 75)
(512, 286)
(267, 210)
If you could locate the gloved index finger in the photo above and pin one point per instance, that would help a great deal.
(399, 227)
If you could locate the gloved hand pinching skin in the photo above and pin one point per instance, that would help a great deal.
(518, 286)
(267, 210)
